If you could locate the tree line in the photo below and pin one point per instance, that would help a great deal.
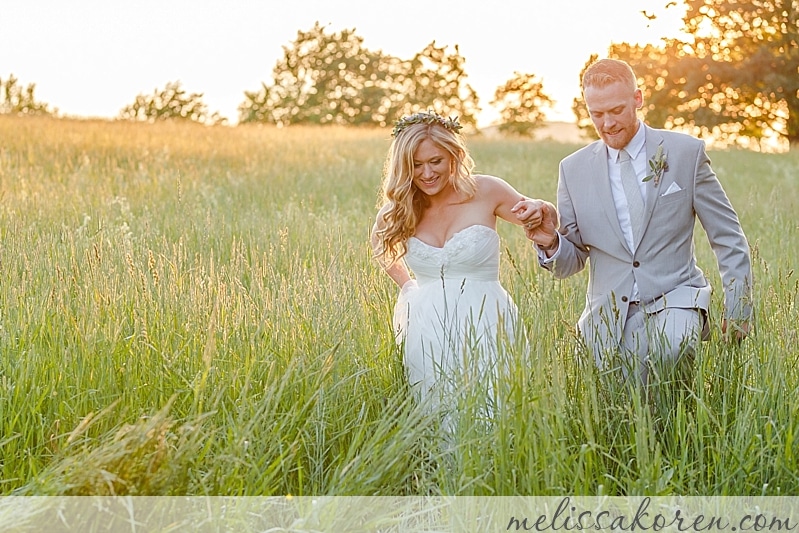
(734, 75)
(332, 78)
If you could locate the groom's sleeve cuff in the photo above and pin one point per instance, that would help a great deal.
(542, 257)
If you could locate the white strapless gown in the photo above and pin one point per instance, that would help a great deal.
(454, 321)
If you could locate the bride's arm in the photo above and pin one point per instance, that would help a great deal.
(397, 271)
(502, 197)
(539, 217)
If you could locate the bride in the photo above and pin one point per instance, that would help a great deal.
(438, 222)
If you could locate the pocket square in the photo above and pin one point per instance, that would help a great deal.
(672, 189)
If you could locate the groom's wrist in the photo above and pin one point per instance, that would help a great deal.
(551, 246)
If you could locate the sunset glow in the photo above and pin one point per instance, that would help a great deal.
(91, 58)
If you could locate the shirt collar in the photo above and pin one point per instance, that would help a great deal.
(633, 147)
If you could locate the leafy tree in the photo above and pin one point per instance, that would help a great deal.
(326, 78)
(18, 100)
(170, 103)
(322, 79)
(437, 80)
(522, 101)
(748, 55)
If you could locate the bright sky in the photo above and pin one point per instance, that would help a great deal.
(92, 57)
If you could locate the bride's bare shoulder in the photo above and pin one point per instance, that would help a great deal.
(487, 183)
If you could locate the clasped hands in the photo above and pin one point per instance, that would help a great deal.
(539, 219)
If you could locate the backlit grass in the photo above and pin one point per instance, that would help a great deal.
(194, 310)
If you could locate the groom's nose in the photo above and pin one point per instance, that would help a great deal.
(608, 122)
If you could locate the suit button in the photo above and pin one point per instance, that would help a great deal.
(636, 264)
(623, 298)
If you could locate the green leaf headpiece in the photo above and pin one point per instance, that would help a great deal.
(426, 117)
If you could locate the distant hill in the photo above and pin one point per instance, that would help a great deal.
(566, 132)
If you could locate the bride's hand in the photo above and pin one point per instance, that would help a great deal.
(540, 221)
(528, 212)
(408, 286)
(534, 213)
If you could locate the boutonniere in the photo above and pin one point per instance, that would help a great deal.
(657, 166)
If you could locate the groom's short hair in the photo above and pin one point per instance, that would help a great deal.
(603, 72)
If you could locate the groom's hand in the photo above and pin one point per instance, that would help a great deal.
(540, 221)
(735, 331)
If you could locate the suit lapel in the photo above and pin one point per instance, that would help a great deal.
(604, 194)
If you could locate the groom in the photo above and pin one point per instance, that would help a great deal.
(627, 206)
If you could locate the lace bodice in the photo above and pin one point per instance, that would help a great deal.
(472, 253)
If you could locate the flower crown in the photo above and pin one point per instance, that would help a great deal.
(426, 117)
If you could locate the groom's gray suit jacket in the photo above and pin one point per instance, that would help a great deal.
(663, 265)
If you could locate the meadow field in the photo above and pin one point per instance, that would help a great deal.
(188, 310)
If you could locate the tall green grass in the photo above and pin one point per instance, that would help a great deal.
(193, 310)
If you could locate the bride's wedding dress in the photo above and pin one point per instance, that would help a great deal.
(456, 317)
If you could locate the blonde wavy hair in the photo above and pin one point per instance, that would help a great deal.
(401, 203)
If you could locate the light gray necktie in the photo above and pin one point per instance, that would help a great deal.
(635, 201)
